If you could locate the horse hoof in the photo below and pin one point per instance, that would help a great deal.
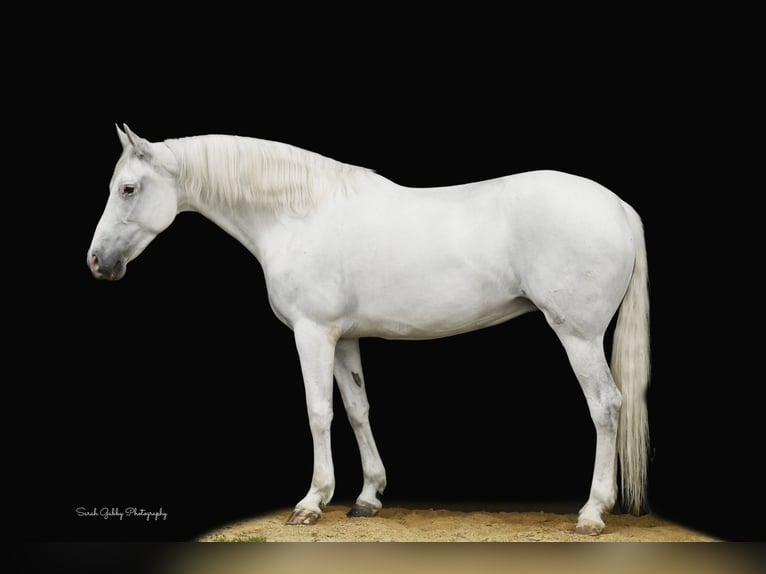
(589, 528)
(362, 511)
(303, 517)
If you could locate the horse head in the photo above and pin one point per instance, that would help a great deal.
(143, 201)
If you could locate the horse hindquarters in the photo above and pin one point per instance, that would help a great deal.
(615, 397)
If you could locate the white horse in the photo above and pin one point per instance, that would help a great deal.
(346, 253)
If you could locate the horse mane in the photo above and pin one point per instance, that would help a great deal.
(240, 171)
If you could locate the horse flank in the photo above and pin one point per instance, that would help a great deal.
(240, 171)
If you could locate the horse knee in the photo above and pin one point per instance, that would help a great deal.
(320, 418)
(358, 418)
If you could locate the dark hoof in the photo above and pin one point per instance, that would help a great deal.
(362, 511)
(303, 517)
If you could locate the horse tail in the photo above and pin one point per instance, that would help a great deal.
(630, 369)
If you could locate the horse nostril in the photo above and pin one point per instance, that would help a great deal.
(93, 263)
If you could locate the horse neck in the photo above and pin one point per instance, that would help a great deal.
(251, 187)
(248, 226)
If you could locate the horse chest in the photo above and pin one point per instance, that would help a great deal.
(300, 287)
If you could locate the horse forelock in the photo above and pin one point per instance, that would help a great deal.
(238, 171)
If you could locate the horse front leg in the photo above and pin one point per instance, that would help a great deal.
(316, 350)
(348, 374)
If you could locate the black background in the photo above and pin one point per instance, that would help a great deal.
(177, 388)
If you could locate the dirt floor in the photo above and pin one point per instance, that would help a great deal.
(398, 524)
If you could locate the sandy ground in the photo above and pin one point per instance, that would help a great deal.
(398, 524)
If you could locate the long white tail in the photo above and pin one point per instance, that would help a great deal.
(630, 369)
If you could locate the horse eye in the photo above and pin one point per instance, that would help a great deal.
(128, 189)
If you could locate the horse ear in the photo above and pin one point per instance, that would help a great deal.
(123, 137)
(142, 147)
(156, 153)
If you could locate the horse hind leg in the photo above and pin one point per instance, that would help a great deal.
(350, 379)
(586, 355)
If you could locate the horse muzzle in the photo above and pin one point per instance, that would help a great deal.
(101, 269)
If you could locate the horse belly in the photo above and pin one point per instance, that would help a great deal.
(437, 306)
(424, 326)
